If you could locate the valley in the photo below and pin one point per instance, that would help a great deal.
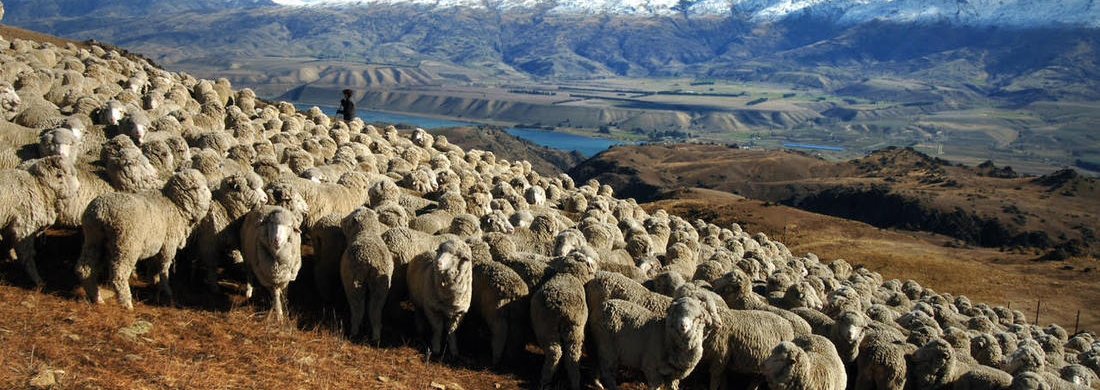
(1037, 138)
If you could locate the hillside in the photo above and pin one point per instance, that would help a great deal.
(895, 187)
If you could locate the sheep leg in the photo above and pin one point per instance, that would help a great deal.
(378, 293)
(164, 263)
(498, 327)
(451, 328)
(609, 363)
(718, 374)
(248, 283)
(24, 249)
(437, 332)
(121, 268)
(355, 291)
(550, 364)
(573, 355)
(209, 259)
(87, 266)
(277, 302)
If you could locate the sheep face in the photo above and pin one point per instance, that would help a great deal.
(360, 220)
(56, 174)
(454, 271)
(496, 221)
(931, 364)
(112, 114)
(687, 318)
(58, 142)
(783, 360)
(282, 230)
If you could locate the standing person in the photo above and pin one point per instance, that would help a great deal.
(347, 107)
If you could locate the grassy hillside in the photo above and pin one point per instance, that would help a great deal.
(895, 187)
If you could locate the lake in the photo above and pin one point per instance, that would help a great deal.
(587, 146)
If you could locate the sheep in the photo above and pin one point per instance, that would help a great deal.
(742, 342)
(450, 204)
(665, 346)
(127, 227)
(500, 298)
(531, 267)
(323, 199)
(271, 245)
(34, 198)
(366, 265)
(882, 360)
(559, 314)
(936, 365)
(736, 290)
(441, 289)
(127, 168)
(218, 233)
(807, 362)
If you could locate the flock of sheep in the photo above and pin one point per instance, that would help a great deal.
(155, 166)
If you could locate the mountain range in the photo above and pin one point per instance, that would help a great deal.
(1029, 13)
(1037, 50)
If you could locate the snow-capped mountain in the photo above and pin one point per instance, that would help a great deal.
(1019, 13)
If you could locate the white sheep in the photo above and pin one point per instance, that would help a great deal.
(127, 227)
(218, 234)
(34, 198)
(500, 298)
(936, 365)
(441, 289)
(559, 314)
(366, 267)
(271, 244)
(807, 363)
(664, 346)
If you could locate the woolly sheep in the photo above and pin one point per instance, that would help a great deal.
(34, 198)
(127, 167)
(559, 314)
(441, 289)
(936, 365)
(742, 342)
(882, 360)
(127, 227)
(665, 346)
(219, 232)
(323, 199)
(807, 362)
(271, 244)
(500, 298)
(366, 267)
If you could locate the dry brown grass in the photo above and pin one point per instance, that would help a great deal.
(201, 349)
(9, 33)
(983, 274)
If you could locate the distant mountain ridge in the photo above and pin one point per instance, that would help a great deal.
(806, 43)
(1015, 13)
(29, 9)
